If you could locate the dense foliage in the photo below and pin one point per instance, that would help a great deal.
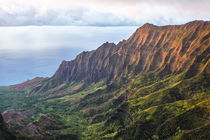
(118, 92)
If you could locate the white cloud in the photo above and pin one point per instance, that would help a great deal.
(101, 12)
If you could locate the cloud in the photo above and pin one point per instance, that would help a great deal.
(101, 12)
(83, 17)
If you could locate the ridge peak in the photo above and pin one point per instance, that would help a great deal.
(147, 25)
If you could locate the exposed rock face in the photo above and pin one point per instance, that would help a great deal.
(165, 94)
(91, 65)
(30, 83)
(168, 49)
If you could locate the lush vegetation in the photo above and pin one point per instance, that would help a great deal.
(145, 108)
(154, 86)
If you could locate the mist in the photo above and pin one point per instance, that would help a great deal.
(30, 51)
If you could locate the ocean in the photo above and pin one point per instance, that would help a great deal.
(30, 51)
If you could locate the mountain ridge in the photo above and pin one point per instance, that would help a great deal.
(138, 40)
(154, 85)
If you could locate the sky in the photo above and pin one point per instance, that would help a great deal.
(34, 40)
(30, 51)
(101, 12)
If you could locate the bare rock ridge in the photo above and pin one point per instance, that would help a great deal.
(92, 65)
(167, 49)
(154, 85)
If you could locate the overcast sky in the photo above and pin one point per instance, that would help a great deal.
(102, 12)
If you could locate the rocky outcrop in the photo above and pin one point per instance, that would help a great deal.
(167, 49)
(157, 88)
(92, 65)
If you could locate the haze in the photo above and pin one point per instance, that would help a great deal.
(28, 52)
(36, 35)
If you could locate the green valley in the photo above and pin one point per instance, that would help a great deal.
(155, 85)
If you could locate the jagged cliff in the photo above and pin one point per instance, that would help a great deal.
(167, 49)
(154, 85)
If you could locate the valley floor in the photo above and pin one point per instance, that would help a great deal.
(146, 108)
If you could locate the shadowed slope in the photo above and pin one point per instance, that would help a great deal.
(155, 85)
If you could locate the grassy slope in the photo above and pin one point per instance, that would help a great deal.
(72, 121)
(148, 107)
(168, 108)
(138, 105)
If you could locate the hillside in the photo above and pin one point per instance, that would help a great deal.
(5, 134)
(154, 85)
